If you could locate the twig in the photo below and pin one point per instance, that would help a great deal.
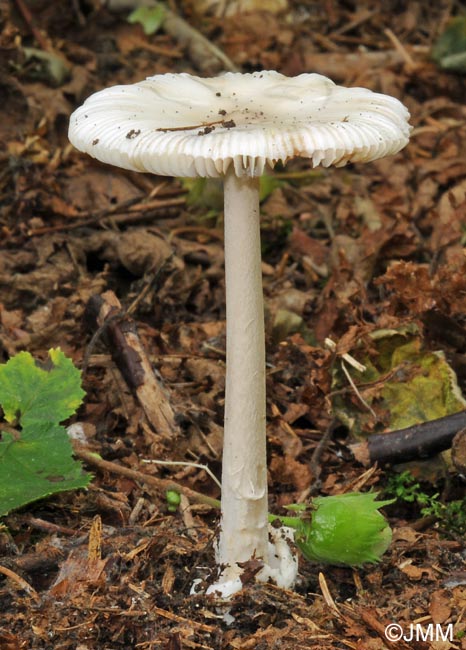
(338, 65)
(128, 354)
(130, 207)
(331, 345)
(380, 627)
(358, 20)
(26, 14)
(358, 394)
(156, 49)
(42, 561)
(151, 280)
(359, 482)
(204, 54)
(171, 616)
(315, 464)
(160, 484)
(195, 230)
(327, 595)
(49, 527)
(419, 441)
(399, 47)
(21, 582)
(186, 464)
(78, 13)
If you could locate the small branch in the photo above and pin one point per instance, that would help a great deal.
(27, 16)
(337, 65)
(408, 59)
(419, 441)
(142, 44)
(186, 464)
(21, 582)
(315, 464)
(204, 54)
(49, 527)
(125, 212)
(359, 19)
(128, 354)
(355, 388)
(160, 484)
(328, 598)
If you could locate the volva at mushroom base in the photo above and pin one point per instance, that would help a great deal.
(234, 126)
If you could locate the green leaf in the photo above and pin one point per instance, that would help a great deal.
(267, 185)
(36, 459)
(34, 395)
(449, 50)
(204, 193)
(151, 18)
(343, 529)
(46, 66)
(37, 465)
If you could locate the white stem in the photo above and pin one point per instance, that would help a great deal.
(244, 527)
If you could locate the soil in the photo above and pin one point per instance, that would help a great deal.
(346, 253)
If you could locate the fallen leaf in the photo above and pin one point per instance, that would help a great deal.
(440, 606)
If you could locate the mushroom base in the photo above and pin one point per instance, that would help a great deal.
(281, 567)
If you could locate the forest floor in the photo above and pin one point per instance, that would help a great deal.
(371, 256)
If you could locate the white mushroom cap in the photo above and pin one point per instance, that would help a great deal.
(181, 125)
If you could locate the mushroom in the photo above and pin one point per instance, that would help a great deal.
(235, 126)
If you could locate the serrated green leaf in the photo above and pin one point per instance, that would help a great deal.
(33, 395)
(36, 458)
(37, 465)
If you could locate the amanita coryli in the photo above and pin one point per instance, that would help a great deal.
(235, 126)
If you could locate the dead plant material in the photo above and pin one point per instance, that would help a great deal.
(419, 441)
(119, 331)
(160, 484)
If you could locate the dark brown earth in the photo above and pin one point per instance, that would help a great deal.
(346, 252)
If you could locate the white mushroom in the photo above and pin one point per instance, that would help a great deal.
(235, 126)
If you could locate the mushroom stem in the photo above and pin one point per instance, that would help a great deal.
(244, 527)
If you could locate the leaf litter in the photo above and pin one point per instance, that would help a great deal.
(372, 257)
